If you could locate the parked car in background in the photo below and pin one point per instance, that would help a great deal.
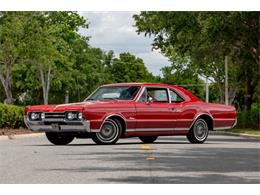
(143, 110)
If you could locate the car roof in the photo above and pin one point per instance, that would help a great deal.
(138, 84)
(182, 90)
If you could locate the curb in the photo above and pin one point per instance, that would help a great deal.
(235, 134)
(20, 136)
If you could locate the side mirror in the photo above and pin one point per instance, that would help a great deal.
(150, 100)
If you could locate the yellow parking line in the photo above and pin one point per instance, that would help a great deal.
(146, 147)
(150, 158)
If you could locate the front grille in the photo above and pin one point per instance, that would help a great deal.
(55, 115)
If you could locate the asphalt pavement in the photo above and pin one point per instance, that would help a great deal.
(222, 159)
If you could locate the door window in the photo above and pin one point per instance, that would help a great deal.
(157, 95)
(175, 98)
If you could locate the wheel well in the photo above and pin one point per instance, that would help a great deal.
(208, 120)
(122, 122)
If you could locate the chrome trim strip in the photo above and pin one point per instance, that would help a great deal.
(156, 129)
(94, 130)
(163, 87)
(199, 116)
(224, 119)
(40, 126)
(235, 123)
(140, 94)
(222, 128)
(91, 94)
(178, 93)
(164, 120)
(159, 87)
(103, 121)
(60, 119)
(169, 96)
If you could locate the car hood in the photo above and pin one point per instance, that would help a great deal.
(79, 106)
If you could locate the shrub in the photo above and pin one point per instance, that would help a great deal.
(250, 119)
(11, 116)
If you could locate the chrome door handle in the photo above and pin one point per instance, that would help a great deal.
(172, 109)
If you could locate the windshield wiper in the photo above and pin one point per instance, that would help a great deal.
(109, 99)
(89, 99)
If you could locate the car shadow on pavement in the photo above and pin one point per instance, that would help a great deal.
(123, 143)
(209, 178)
(181, 165)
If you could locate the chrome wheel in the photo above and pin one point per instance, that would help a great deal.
(200, 129)
(199, 132)
(109, 133)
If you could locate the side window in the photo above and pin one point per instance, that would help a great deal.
(157, 94)
(175, 98)
(143, 97)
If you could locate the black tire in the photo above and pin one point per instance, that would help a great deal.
(148, 139)
(59, 138)
(110, 132)
(199, 132)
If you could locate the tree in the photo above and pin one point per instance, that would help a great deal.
(206, 38)
(11, 31)
(128, 68)
(179, 73)
(48, 44)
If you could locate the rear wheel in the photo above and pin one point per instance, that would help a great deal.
(59, 138)
(199, 132)
(148, 139)
(110, 132)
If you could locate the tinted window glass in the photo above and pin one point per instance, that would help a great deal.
(115, 92)
(157, 94)
(175, 98)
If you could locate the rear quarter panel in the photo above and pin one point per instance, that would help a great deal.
(224, 116)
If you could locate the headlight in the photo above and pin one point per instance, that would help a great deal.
(80, 116)
(35, 116)
(74, 116)
(71, 116)
(43, 115)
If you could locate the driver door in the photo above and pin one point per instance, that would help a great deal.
(154, 111)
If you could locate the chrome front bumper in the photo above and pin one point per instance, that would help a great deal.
(55, 126)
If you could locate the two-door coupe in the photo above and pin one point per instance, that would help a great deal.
(143, 110)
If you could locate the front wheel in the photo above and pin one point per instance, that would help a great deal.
(110, 132)
(199, 132)
(59, 138)
(148, 139)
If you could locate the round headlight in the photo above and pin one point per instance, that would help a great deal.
(70, 116)
(34, 116)
(80, 115)
(42, 115)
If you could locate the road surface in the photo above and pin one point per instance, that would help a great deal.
(222, 159)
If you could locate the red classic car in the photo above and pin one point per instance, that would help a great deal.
(143, 110)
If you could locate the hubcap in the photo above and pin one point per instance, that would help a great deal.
(200, 130)
(109, 132)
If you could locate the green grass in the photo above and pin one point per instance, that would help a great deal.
(244, 131)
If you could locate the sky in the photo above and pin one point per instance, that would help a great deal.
(115, 31)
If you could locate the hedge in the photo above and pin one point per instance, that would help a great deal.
(11, 116)
(250, 119)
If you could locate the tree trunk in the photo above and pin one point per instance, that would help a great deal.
(6, 82)
(251, 84)
(45, 83)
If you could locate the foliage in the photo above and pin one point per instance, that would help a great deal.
(250, 119)
(178, 73)
(11, 116)
(205, 38)
(128, 68)
(11, 32)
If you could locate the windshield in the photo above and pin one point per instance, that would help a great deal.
(114, 92)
